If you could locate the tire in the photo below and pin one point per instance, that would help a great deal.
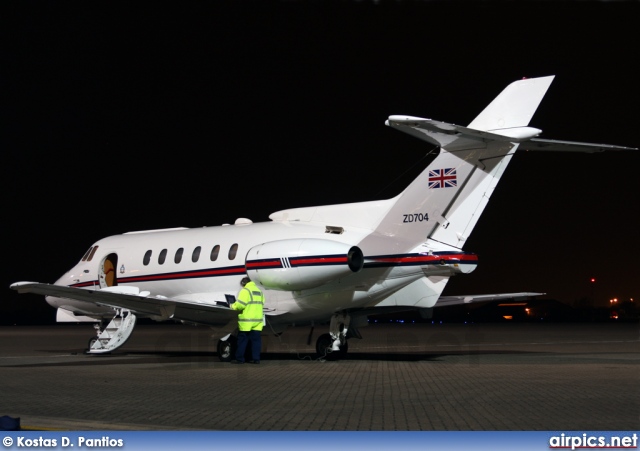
(324, 351)
(91, 342)
(227, 349)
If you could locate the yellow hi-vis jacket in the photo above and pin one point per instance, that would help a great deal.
(250, 303)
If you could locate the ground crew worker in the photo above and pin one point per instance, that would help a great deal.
(250, 303)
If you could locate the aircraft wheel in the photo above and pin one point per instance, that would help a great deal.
(227, 349)
(92, 340)
(323, 348)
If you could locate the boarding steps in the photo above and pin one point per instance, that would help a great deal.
(114, 335)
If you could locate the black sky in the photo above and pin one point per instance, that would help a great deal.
(121, 116)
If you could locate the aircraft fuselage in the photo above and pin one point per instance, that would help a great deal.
(205, 264)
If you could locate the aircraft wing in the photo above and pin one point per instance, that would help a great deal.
(139, 302)
(444, 301)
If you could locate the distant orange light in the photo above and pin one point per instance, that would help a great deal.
(508, 317)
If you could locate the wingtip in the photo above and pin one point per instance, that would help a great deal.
(16, 285)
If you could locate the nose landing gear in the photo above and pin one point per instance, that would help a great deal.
(227, 348)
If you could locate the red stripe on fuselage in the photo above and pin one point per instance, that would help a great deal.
(276, 263)
(182, 275)
(300, 261)
(428, 258)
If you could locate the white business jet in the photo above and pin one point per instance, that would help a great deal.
(332, 264)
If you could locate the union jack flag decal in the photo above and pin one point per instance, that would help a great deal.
(443, 178)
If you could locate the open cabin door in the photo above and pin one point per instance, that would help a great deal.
(108, 275)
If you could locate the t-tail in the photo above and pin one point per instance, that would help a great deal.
(446, 200)
(434, 216)
(444, 203)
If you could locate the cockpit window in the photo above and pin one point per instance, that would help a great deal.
(92, 253)
(86, 254)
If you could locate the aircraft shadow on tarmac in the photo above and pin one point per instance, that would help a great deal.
(203, 357)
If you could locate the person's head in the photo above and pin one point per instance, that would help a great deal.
(244, 281)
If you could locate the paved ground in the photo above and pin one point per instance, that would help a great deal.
(399, 377)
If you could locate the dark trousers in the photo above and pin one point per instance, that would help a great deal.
(256, 345)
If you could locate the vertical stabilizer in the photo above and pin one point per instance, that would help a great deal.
(515, 105)
(446, 200)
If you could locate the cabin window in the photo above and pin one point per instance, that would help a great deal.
(178, 257)
(93, 252)
(233, 251)
(196, 254)
(162, 257)
(147, 258)
(214, 252)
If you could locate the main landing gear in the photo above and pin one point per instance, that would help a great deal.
(331, 346)
(227, 346)
(334, 345)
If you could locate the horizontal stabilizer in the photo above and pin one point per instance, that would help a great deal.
(568, 146)
(441, 132)
(446, 135)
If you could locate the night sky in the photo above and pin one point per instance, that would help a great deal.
(123, 116)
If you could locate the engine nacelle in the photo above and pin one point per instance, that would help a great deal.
(301, 264)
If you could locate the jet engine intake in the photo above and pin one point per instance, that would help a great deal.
(301, 264)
